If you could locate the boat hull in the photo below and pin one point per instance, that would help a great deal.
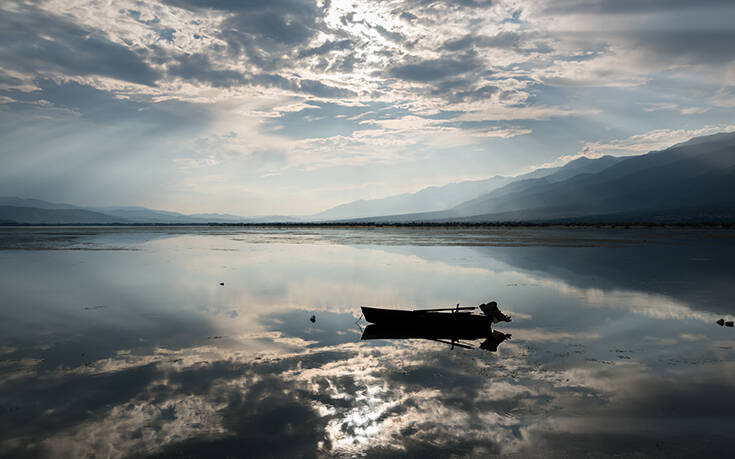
(427, 322)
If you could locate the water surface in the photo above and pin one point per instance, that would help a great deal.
(122, 342)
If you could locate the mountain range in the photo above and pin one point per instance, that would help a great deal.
(14, 210)
(690, 181)
(433, 198)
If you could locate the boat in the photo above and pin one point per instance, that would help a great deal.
(457, 316)
(446, 325)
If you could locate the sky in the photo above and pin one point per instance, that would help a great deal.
(293, 106)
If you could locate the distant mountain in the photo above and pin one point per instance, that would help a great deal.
(573, 168)
(518, 184)
(688, 182)
(695, 174)
(36, 216)
(144, 215)
(694, 180)
(36, 211)
(34, 203)
(433, 198)
(14, 210)
(118, 214)
(216, 217)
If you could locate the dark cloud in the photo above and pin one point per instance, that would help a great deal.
(458, 78)
(273, 35)
(102, 106)
(710, 47)
(630, 6)
(264, 30)
(311, 87)
(501, 40)
(434, 69)
(319, 89)
(481, 93)
(392, 36)
(462, 89)
(166, 34)
(33, 41)
(438, 4)
(520, 42)
(325, 48)
(199, 67)
(271, 26)
(666, 33)
(342, 64)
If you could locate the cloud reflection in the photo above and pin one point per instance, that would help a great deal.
(165, 370)
(353, 399)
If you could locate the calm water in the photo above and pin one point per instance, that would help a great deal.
(122, 342)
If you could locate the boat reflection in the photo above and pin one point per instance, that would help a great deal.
(449, 326)
(493, 338)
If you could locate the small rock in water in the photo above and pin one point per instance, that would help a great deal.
(221, 283)
(728, 323)
(720, 322)
(312, 319)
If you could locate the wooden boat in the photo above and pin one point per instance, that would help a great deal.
(447, 325)
(457, 316)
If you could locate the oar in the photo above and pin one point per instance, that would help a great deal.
(450, 343)
(445, 309)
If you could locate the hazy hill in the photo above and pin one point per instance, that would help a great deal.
(690, 181)
(518, 185)
(104, 214)
(35, 216)
(573, 168)
(433, 198)
(15, 201)
(695, 174)
(16, 210)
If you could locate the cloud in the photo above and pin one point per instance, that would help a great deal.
(432, 70)
(479, 65)
(262, 31)
(199, 67)
(603, 7)
(510, 40)
(37, 42)
(325, 48)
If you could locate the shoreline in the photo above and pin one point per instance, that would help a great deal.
(605, 225)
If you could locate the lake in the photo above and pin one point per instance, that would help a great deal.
(123, 342)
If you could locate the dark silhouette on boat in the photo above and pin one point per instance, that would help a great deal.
(445, 325)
